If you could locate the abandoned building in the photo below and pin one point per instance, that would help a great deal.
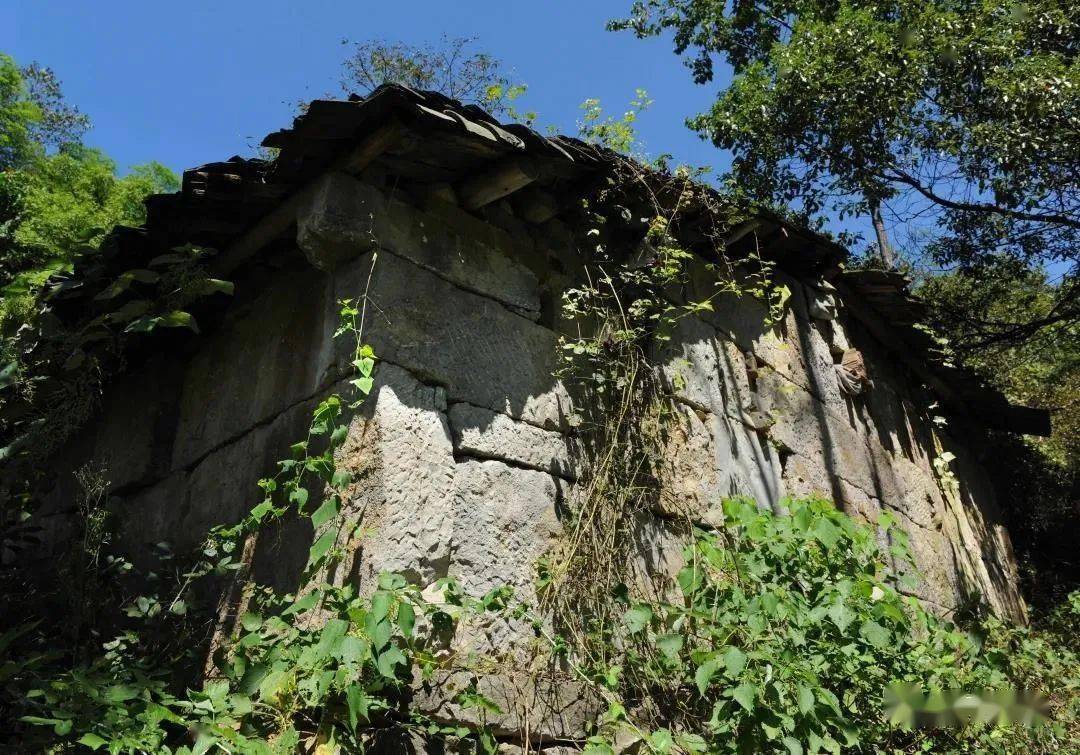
(466, 443)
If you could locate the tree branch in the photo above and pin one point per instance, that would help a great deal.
(900, 176)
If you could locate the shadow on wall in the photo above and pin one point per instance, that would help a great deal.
(461, 456)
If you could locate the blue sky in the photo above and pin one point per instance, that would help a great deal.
(189, 82)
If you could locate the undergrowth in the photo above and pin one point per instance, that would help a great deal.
(782, 632)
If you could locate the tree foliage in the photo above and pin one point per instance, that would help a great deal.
(963, 118)
(452, 66)
(58, 198)
(961, 121)
(33, 113)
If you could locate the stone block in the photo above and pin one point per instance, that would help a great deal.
(347, 217)
(152, 515)
(134, 430)
(504, 519)
(692, 478)
(540, 708)
(400, 503)
(937, 572)
(223, 486)
(485, 434)
(269, 354)
(705, 369)
(804, 426)
(478, 350)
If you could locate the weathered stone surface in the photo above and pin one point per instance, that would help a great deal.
(936, 577)
(713, 456)
(705, 370)
(539, 707)
(266, 357)
(460, 460)
(220, 489)
(505, 518)
(348, 217)
(506, 748)
(152, 515)
(399, 452)
(477, 349)
(133, 439)
(972, 525)
(805, 426)
(486, 434)
(691, 480)
(656, 556)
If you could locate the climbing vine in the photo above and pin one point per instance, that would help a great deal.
(782, 633)
(316, 670)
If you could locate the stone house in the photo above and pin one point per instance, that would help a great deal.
(466, 442)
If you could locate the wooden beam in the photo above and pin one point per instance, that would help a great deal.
(506, 177)
(278, 220)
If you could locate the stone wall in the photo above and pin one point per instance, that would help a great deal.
(463, 453)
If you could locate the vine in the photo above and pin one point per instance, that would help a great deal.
(317, 670)
(782, 632)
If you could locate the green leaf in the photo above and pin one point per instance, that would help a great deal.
(216, 286)
(389, 660)
(299, 496)
(338, 436)
(406, 619)
(353, 650)
(251, 622)
(875, 634)
(380, 632)
(705, 673)
(380, 605)
(364, 365)
(661, 741)
(325, 513)
(322, 546)
(130, 311)
(179, 319)
(330, 639)
(793, 746)
(734, 662)
(744, 695)
(691, 742)
(174, 319)
(119, 693)
(669, 645)
(841, 615)
(91, 740)
(363, 384)
(806, 699)
(827, 533)
(637, 618)
(303, 604)
(358, 702)
(8, 374)
(341, 478)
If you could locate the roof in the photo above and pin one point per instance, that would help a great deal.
(239, 205)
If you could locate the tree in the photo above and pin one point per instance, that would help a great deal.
(958, 121)
(960, 117)
(58, 197)
(33, 114)
(452, 67)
